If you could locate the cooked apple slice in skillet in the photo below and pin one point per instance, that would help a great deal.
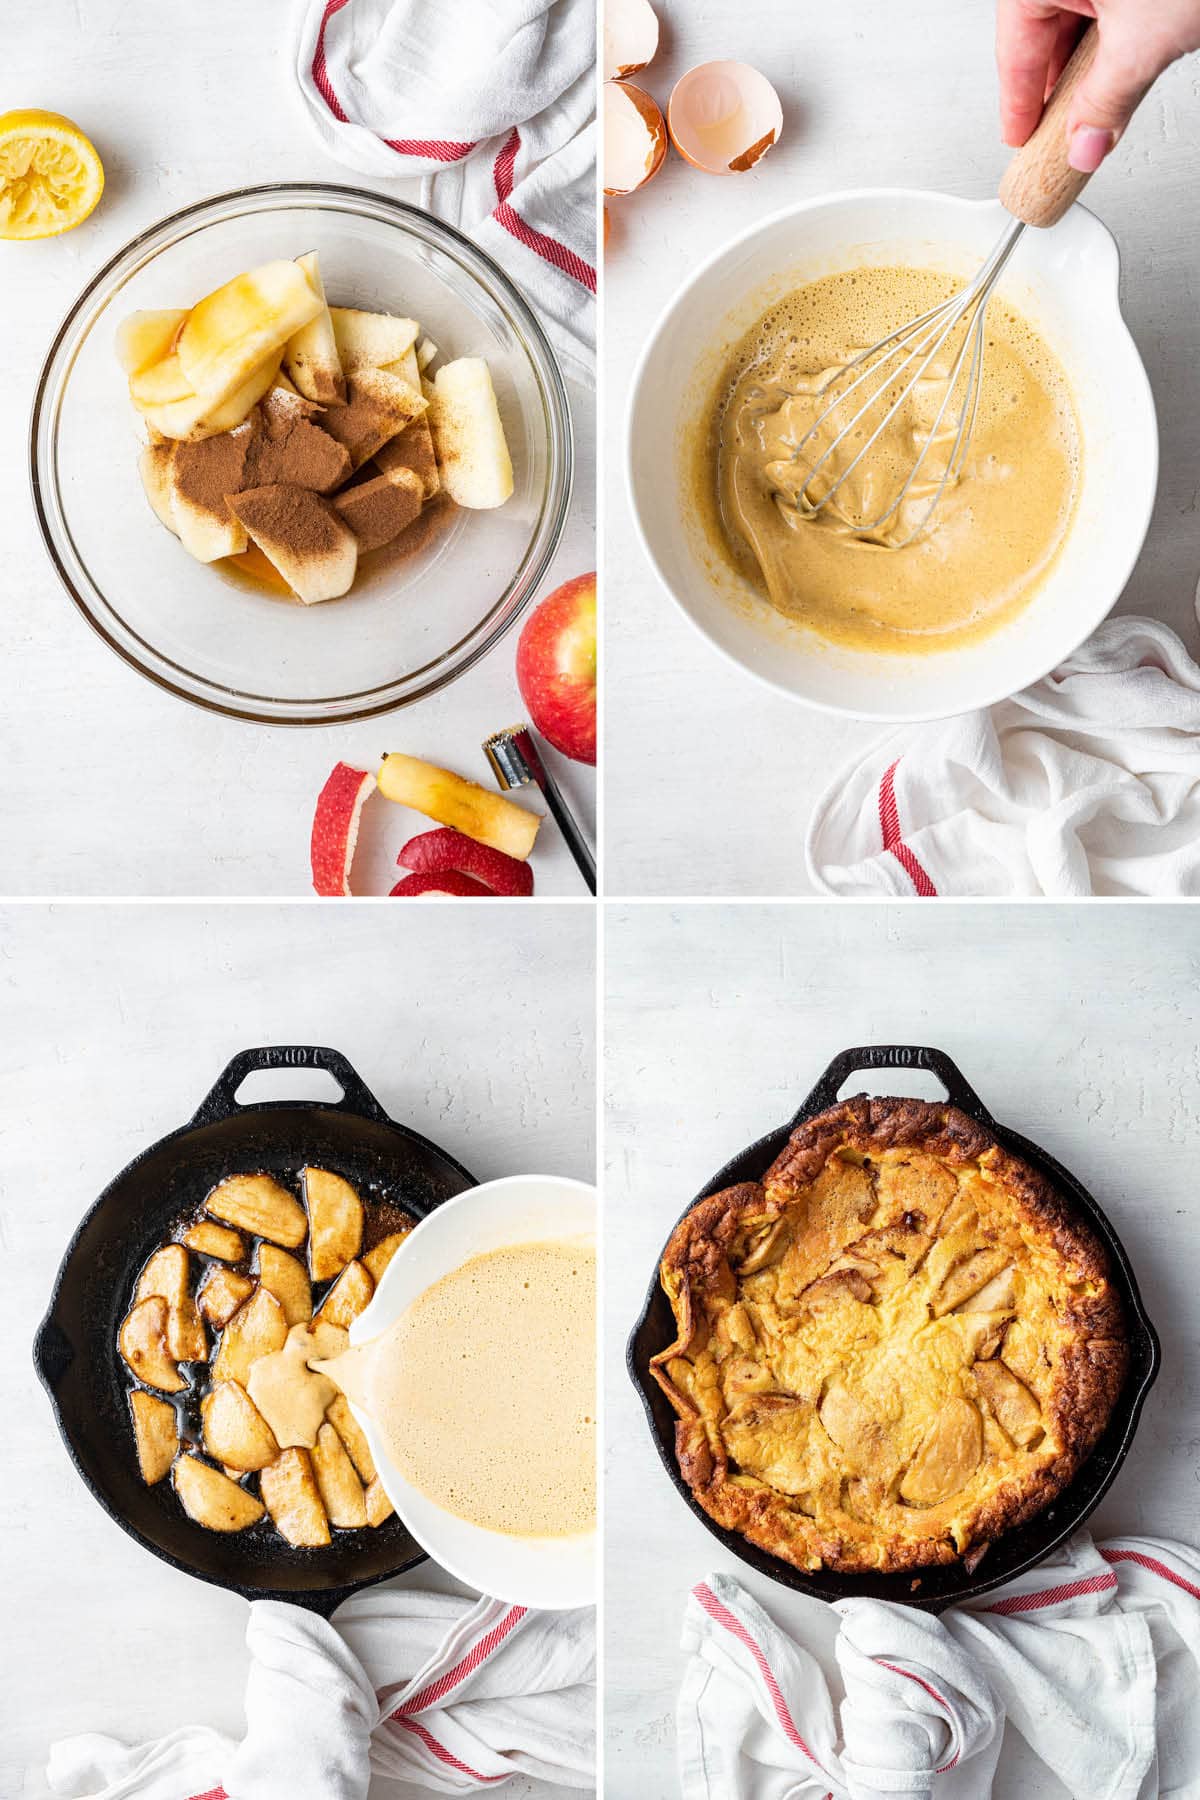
(335, 1220)
(255, 1330)
(286, 1278)
(293, 1499)
(379, 1507)
(212, 1499)
(169, 1273)
(142, 1340)
(378, 1259)
(347, 1297)
(353, 1436)
(235, 1432)
(258, 1204)
(223, 1292)
(215, 1240)
(156, 1433)
(340, 1489)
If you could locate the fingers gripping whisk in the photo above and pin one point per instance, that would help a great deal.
(919, 388)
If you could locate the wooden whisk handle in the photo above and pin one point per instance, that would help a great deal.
(1039, 184)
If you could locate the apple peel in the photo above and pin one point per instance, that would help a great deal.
(450, 882)
(335, 828)
(447, 851)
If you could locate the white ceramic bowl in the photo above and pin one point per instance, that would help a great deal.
(554, 1573)
(1065, 280)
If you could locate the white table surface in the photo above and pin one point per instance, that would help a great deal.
(117, 1021)
(1077, 1028)
(107, 785)
(710, 778)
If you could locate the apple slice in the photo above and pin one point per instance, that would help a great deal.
(302, 537)
(426, 351)
(335, 829)
(310, 355)
(239, 327)
(412, 449)
(452, 800)
(367, 340)
(195, 418)
(468, 435)
(438, 852)
(451, 883)
(379, 404)
(154, 467)
(160, 383)
(378, 511)
(146, 337)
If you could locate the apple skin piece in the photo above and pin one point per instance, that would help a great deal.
(452, 884)
(335, 829)
(452, 800)
(443, 851)
(556, 668)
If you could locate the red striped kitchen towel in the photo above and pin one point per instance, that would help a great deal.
(1093, 1657)
(492, 102)
(429, 1689)
(1086, 783)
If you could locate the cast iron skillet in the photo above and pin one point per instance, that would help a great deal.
(75, 1347)
(1015, 1551)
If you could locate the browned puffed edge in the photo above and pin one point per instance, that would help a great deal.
(696, 1261)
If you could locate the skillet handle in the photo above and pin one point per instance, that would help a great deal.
(894, 1056)
(357, 1097)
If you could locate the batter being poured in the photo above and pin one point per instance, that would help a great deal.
(1001, 520)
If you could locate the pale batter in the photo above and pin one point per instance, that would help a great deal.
(999, 525)
(485, 1390)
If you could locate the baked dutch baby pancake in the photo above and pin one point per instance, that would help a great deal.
(898, 1344)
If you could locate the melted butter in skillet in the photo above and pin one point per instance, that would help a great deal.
(997, 531)
(485, 1390)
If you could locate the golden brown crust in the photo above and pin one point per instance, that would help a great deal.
(898, 1344)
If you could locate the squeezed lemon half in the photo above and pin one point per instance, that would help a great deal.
(50, 174)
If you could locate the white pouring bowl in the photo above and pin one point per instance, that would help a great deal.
(1064, 280)
(554, 1573)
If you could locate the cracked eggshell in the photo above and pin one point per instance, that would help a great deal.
(724, 116)
(630, 37)
(635, 137)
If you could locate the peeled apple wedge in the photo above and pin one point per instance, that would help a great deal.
(311, 354)
(191, 419)
(468, 435)
(147, 337)
(452, 800)
(367, 340)
(233, 331)
(160, 383)
(154, 467)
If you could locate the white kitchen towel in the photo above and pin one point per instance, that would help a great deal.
(1086, 783)
(1093, 1657)
(447, 1694)
(494, 105)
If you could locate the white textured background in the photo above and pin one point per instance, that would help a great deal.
(116, 1022)
(1078, 1027)
(107, 785)
(710, 778)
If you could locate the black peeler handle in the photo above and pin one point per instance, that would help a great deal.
(894, 1056)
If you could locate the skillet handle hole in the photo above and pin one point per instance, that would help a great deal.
(268, 1085)
(911, 1084)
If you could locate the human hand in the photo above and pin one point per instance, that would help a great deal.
(1138, 39)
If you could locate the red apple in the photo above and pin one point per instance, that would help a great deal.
(556, 668)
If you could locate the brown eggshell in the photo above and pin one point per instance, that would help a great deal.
(635, 137)
(724, 116)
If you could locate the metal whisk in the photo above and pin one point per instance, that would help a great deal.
(1038, 188)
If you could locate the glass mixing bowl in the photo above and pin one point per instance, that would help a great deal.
(405, 630)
